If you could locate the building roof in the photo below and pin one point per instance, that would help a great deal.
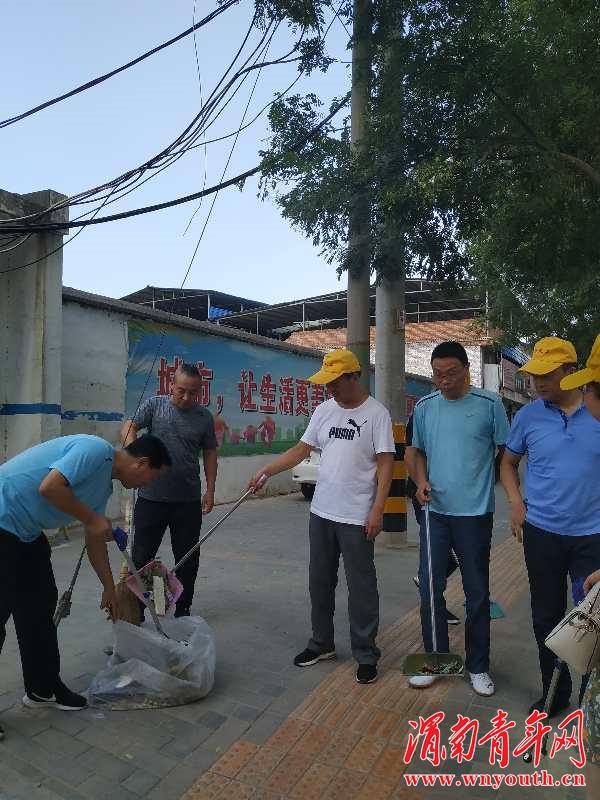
(465, 331)
(202, 304)
(425, 302)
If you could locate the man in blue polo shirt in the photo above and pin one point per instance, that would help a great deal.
(558, 521)
(44, 487)
(456, 431)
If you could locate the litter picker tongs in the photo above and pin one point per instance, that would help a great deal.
(121, 539)
(209, 533)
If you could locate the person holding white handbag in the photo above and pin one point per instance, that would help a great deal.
(589, 380)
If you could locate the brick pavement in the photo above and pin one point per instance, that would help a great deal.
(346, 742)
(252, 591)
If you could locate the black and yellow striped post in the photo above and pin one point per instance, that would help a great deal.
(394, 515)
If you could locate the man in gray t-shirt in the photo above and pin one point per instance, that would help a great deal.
(176, 501)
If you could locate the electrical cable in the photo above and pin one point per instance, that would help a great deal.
(57, 227)
(223, 184)
(56, 249)
(133, 178)
(100, 79)
(205, 177)
(227, 163)
(166, 152)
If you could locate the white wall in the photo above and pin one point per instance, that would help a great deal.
(491, 377)
(93, 376)
(418, 360)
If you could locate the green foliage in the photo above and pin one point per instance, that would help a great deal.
(481, 160)
(306, 13)
(519, 90)
(318, 201)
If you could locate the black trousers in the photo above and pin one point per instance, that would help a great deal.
(28, 593)
(550, 557)
(452, 564)
(184, 521)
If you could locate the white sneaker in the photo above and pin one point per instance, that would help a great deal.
(422, 681)
(482, 684)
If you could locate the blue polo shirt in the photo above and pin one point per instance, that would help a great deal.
(85, 461)
(563, 467)
(459, 438)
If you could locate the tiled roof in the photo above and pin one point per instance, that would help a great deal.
(465, 331)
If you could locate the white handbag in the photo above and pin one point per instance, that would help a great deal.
(576, 639)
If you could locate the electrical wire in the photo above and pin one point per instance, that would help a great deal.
(215, 189)
(55, 227)
(56, 249)
(205, 177)
(17, 245)
(131, 183)
(167, 153)
(187, 139)
(228, 159)
(96, 81)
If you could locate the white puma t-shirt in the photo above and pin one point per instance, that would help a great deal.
(349, 440)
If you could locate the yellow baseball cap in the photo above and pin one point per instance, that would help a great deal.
(339, 362)
(549, 354)
(590, 374)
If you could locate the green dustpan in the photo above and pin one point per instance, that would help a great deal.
(433, 664)
(430, 664)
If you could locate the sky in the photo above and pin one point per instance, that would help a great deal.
(248, 248)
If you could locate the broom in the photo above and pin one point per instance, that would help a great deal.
(129, 606)
(63, 607)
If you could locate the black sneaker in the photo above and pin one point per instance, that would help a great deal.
(309, 657)
(62, 698)
(451, 618)
(416, 581)
(559, 704)
(366, 673)
(186, 611)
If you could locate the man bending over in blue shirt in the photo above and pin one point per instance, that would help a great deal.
(48, 486)
(456, 431)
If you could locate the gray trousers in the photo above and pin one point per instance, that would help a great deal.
(327, 540)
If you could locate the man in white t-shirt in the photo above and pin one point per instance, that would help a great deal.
(353, 431)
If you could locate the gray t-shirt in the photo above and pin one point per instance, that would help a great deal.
(186, 433)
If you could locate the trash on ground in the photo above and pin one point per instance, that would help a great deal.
(148, 670)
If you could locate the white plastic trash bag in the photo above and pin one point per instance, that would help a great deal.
(147, 670)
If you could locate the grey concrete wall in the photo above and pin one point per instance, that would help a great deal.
(30, 329)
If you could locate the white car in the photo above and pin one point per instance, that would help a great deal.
(307, 472)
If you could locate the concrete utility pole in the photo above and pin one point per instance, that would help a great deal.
(391, 347)
(390, 367)
(358, 333)
(31, 330)
(390, 385)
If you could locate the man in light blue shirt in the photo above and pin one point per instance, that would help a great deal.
(558, 520)
(44, 487)
(456, 432)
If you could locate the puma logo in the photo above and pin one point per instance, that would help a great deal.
(356, 425)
